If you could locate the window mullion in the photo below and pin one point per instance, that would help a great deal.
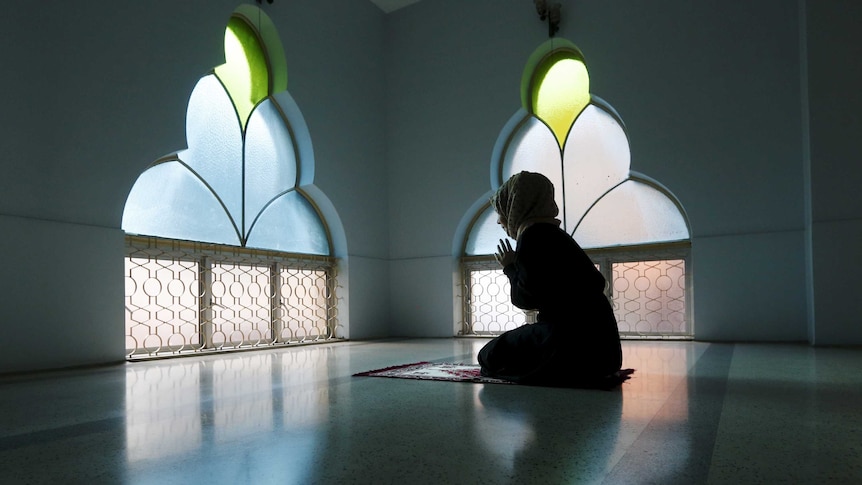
(206, 302)
(275, 301)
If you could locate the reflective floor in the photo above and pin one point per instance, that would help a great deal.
(693, 413)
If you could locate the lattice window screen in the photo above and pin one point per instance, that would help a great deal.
(649, 291)
(184, 297)
(649, 297)
(487, 307)
(618, 215)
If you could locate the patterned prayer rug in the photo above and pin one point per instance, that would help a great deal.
(431, 371)
(460, 372)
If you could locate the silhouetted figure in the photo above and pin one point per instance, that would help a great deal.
(575, 341)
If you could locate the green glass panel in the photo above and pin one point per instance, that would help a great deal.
(271, 43)
(244, 73)
(561, 94)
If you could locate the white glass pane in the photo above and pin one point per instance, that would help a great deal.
(596, 158)
(633, 213)
(290, 224)
(169, 201)
(485, 235)
(215, 142)
(534, 148)
(270, 160)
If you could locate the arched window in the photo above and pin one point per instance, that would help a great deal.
(633, 228)
(226, 246)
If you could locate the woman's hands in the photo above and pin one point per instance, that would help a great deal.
(505, 254)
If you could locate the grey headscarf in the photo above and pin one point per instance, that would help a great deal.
(525, 199)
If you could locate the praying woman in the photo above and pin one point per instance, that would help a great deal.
(574, 341)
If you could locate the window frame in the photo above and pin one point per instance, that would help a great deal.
(666, 247)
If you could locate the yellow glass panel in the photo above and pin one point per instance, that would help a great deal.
(561, 94)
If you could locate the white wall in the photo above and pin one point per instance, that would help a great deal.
(335, 55)
(834, 45)
(62, 309)
(710, 95)
(97, 91)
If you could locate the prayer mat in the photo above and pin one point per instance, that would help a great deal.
(461, 372)
(431, 371)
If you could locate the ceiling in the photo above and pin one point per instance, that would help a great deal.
(392, 5)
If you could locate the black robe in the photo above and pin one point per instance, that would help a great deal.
(575, 341)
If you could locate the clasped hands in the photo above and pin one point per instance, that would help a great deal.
(505, 255)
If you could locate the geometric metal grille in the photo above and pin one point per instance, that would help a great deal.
(650, 292)
(487, 306)
(650, 289)
(187, 297)
(649, 297)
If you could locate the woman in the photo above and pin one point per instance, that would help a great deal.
(575, 341)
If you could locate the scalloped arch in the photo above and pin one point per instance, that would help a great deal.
(250, 152)
(585, 152)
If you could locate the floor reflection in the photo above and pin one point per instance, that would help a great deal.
(693, 412)
(260, 402)
(242, 396)
(660, 368)
(176, 408)
(163, 410)
(561, 435)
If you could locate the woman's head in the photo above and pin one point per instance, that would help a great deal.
(524, 199)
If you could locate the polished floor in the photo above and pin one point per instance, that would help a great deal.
(693, 413)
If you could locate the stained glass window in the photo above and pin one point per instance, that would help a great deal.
(580, 143)
(238, 182)
(226, 248)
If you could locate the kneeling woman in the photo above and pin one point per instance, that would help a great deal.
(575, 341)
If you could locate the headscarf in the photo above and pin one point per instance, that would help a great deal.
(525, 199)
